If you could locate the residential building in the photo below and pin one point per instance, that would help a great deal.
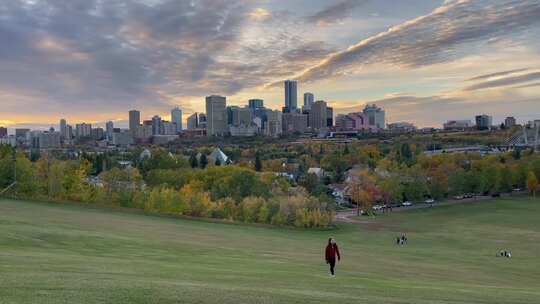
(176, 118)
(317, 115)
(291, 100)
(510, 122)
(83, 130)
(256, 103)
(353, 121)
(309, 99)
(295, 122)
(193, 121)
(457, 125)
(3, 132)
(216, 115)
(376, 116)
(484, 122)
(134, 120)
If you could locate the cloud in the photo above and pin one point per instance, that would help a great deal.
(504, 82)
(531, 85)
(437, 37)
(335, 13)
(498, 74)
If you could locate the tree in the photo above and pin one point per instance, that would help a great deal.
(532, 183)
(193, 161)
(217, 162)
(203, 161)
(258, 164)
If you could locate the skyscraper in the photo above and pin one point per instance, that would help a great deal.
(63, 129)
(3, 132)
(176, 118)
(134, 120)
(317, 115)
(156, 125)
(216, 115)
(193, 121)
(291, 101)
(256, 103)
(484, 122)
(309, 99)
(109, 130)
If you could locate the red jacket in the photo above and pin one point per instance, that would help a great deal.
(332, 251)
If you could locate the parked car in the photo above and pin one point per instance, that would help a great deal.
(496, 194)
(517, 189)
(429, 201)
(406, 204)
(459, 197)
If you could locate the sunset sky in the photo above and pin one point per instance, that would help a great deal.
(424, 61)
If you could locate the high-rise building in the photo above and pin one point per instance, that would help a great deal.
(193, 121)
(256, 103)
(63, 129)
(376, 116)
(83, 130)
(134, 120)
(309, 99)
(21, 133)
(329, 117)
(176, 118)
(294, 122)
(98, 133)
(274, 123)
(202, 121)
(109, 130)
(168, 128)
(291, 100)
(317, 115)
(242, 116)
(3, 132)
(216, 115)
(510, 122)
(156, 125)
(484, 122)
(48, 140)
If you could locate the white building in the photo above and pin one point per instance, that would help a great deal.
(83, 130)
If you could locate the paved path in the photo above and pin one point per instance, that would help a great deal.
(349, 216)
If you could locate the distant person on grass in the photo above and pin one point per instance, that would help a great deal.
(332, 251)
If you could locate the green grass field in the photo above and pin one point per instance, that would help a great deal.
(52, 253)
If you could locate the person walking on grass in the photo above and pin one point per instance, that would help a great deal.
(332, 251)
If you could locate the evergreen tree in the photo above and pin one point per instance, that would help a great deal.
(203, 162)
(258, 163)
(193, 161)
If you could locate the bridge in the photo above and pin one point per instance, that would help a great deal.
(526, 138)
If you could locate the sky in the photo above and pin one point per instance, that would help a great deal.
(423, 61)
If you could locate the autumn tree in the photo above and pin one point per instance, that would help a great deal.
(532, 183)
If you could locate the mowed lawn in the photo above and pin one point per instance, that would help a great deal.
(51, 253)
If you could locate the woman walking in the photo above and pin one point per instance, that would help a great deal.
(332, 251)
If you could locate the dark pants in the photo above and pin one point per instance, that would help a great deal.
(332, 263)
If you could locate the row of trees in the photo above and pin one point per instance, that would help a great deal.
(170, 186)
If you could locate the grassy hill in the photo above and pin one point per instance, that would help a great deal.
(71, 254)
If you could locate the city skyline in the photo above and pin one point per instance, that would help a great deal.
(423, 62)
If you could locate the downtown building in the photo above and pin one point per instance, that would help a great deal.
(216, 116)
